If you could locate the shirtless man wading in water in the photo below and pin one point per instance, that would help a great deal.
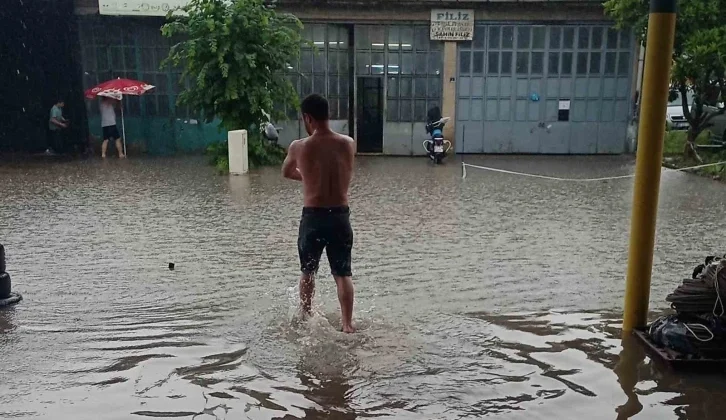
(324, 164)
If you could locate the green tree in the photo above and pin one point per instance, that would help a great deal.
(234, 55)
(699, 56)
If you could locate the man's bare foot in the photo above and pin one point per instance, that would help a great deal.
(348, 329)
(122, 156)
(103, 156)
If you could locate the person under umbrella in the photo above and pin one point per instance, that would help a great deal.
(115, 89)
(107, 107)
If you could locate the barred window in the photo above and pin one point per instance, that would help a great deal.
(324, 68)
(412, 63)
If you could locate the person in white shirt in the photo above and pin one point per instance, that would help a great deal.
(108, 124)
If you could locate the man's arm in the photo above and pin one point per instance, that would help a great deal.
(58, 122)
(351, 149)
(56, 118)
(289, 167)
(351, 158)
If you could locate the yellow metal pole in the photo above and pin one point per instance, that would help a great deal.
(658, 59)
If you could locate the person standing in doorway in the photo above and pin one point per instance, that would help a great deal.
(57, 125)
(108, 126)
(323, 163)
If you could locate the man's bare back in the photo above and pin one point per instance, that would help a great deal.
(324, 164)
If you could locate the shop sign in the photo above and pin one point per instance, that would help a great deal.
(139, 7)
(452, 25)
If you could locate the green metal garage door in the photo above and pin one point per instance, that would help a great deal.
(544, 89)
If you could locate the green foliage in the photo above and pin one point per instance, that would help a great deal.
(222, 165)
(675, 141)
(699, 54)
(262, 153)
(629, 14)
(218, 154)
(234, 54)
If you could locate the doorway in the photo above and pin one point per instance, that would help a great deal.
(39, 68)
(370, 115)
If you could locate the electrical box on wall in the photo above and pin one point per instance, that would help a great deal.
(563, 111)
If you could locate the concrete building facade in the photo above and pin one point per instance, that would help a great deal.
(536, 76)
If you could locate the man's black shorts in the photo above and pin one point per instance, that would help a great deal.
(326, 228)
(110, 133)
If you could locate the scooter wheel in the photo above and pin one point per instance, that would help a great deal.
(438, 160)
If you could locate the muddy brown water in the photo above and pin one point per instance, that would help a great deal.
(495, 296)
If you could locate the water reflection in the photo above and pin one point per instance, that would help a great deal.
(690, 395)
(649, 386)
(444, 270)
(6, 321)
(328, 388)
(628, 370)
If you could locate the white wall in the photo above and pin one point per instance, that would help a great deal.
(397, 139)
(404, 139)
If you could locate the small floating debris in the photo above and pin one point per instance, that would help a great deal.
(171, 266)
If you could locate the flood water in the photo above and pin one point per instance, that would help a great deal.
(494, 296)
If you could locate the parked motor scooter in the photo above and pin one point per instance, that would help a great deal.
(269, 131)
(437, 147)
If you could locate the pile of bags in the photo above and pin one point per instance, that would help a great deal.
(698, 329)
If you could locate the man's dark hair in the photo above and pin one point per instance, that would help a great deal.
(316, 106)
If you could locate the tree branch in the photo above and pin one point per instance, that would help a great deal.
(683, 90)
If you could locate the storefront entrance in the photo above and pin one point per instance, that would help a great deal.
(370, 115)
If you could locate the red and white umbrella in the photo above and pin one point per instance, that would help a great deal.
(116, 89)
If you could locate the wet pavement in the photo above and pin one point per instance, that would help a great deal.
(493, 296)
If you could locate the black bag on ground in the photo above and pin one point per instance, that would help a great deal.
(694, 337)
